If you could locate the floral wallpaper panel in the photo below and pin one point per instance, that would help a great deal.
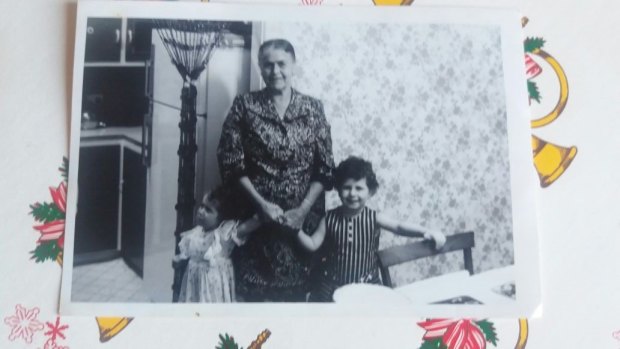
(425, 103)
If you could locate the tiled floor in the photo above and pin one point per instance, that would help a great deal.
(111, 281)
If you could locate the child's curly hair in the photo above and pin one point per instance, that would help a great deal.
(356, 168)
(220, 197)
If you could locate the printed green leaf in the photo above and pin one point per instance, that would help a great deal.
(489, 331)
(46, 250)
(532, 44)
(64, 168)
(433, 344)
(46, 212)
(227, 342)
(532, 90)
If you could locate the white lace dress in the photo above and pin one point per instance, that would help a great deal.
(209, 277)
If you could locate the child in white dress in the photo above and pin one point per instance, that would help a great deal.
(209, 276)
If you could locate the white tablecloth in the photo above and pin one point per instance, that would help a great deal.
(480, 287)
(483, 287)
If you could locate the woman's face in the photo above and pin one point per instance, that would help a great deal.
(277, 68)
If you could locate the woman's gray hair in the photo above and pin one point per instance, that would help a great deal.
(281, 44)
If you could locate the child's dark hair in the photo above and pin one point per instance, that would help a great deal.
(356, 168)
(219, 196)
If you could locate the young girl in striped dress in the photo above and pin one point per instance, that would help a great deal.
(349, 234)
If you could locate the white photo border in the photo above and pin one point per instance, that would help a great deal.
(524, 182)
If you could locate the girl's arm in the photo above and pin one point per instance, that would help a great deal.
(410, 230)
(238, 233)
(312, 243)
(183, 248)
(294, 218)
(405, 229)
(245, 228)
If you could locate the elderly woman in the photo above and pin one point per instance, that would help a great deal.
(276, 152)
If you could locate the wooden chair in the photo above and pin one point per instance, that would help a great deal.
(409, 252)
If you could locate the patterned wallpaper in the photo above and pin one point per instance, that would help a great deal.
(425, 103)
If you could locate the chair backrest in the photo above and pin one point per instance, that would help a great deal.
(409, 252)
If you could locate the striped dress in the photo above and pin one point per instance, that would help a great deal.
(348, 252)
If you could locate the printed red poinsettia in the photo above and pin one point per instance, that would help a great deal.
(50, 218)
(532, 69)
(457, 334)
(55, 229)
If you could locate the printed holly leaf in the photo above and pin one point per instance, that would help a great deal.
(64, 168)
(433, 344)
(489, 331)
(227, 342)
(45, 212)
(46, 250)
(531, 44)
(532, 90)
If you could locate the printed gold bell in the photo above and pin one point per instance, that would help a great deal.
(551, 160)
(111, 326)
(389, 2)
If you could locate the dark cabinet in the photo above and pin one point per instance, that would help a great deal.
(96, 221)
(115, 95)
(133, 210)
(138, 40)
(118, 40)
(103, 40)
(111, 206)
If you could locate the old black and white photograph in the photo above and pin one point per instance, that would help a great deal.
(225, 158)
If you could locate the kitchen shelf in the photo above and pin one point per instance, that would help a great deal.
(114, 64)
(114, 42)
